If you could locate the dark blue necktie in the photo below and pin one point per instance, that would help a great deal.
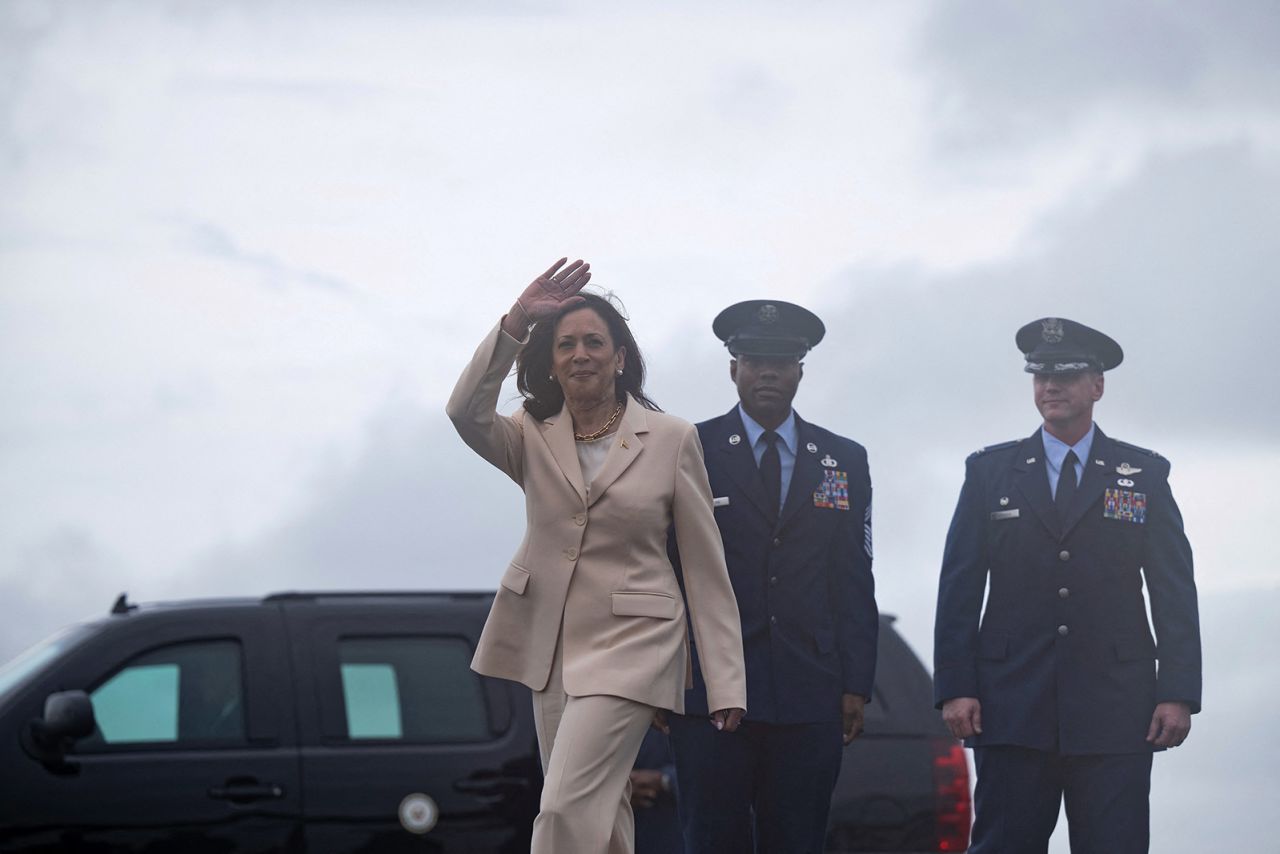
(771, 470)
(1066, 486)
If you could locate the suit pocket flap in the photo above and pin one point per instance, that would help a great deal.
(516, 579)
(1135, 649)
(634, 604)
(993, 647)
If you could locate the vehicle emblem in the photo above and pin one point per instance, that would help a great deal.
(1051, 330)
(418, 813)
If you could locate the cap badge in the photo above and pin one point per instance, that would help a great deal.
(1126, 469)
(1051, 330)
(829, 462)
(735, 439)
(768, 313)
(812, 448)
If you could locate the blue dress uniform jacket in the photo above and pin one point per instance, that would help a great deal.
(1064, 659)
(802, 577)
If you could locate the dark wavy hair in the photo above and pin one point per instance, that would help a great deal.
(543, 396)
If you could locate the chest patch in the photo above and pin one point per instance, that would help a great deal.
(1125, 505)
(833, 492)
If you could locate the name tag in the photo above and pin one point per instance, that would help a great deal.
(720, 502)
(1005, 514)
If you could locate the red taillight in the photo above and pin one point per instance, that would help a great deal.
(951, 785)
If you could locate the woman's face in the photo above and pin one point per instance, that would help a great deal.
(584, 359)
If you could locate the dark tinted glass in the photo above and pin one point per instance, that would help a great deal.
(414, 689)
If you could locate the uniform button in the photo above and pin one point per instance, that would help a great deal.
(1063, 593)
(773, 621)
(571, 554)
(580, 519)
(773, 579)
(1064, 555)
(1063, 630)
(777, 541)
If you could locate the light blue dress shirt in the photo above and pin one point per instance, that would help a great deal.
(787, 440)
(1055, 452)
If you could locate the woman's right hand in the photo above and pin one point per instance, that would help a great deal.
(549, 293)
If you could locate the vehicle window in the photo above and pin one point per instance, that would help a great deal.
(180, 694)
(414, 689)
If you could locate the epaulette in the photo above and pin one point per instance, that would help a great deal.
(996, 447)
(1140, 450)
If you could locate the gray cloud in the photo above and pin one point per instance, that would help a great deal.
(1175, 264)
(1006, 70)
(214, 241)
(417, 510)
(62, 577)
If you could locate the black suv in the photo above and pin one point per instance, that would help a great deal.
(350, 722)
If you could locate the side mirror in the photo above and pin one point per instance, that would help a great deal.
(68, 715)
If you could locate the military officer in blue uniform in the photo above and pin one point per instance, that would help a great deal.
(793, 502)
(1057, 688)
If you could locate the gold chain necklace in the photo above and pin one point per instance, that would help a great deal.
(590, 437)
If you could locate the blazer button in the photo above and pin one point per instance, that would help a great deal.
(777, 541)
(580, 519)
(773, 580)
(1063, 593)
(773, 621)
(1063, 631)
(571, 554)
(1064, 555)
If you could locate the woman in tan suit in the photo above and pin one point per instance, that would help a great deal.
(589, 613)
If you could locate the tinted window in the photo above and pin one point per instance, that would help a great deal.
(415, 689)
(186, 693)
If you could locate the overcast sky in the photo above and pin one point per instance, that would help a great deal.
(246, 248)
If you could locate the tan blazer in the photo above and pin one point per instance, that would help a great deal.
(601, 561)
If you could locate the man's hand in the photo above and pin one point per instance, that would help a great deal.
(660, 721)
(727, 720)
(646, 787)
(963, 716)
(851, 708)
(1169, 724)
(546, 295)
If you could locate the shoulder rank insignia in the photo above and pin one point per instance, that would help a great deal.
(996, 447)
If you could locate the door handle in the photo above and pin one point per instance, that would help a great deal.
(245, 792)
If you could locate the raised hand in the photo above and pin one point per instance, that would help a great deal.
(554, 290)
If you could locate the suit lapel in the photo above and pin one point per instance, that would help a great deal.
(623, 452)
(740, 463)
(805, 476)
(1093, 483)
(1032, 481)
(558, 433)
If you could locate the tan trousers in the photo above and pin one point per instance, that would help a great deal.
(588, 745)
